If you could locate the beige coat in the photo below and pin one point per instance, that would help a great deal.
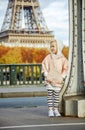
(54, 68)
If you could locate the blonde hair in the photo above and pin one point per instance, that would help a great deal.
(53, 41)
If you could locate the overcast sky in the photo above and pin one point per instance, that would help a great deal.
(55, 13)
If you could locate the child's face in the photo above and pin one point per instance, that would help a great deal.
(53, 47)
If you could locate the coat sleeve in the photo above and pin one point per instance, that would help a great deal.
(65, 68)
(45, 66)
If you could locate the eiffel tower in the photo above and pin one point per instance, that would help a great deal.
(24, 23)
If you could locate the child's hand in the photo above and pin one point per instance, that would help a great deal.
(48, 81)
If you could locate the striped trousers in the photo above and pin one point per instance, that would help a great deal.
(53, 98)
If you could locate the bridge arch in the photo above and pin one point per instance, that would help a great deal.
(73, 92)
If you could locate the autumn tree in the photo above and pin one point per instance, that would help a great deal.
(27, 55)
(3, 50)
(40, 54)
(65, 51)
(13, 56)
(9, 55)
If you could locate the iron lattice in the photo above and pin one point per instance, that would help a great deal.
(24, 23)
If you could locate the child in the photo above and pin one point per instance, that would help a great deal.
(54, 68)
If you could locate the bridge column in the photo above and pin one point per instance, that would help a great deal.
(74, 88)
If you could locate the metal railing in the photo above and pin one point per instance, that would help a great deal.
(20, 74)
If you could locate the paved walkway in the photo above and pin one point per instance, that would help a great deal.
(23, 91)
(33, 118)
(36, 118)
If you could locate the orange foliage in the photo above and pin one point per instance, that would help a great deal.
(12, 56)
(25, 55)
(3, 50)
(40, 54)
(65, 51)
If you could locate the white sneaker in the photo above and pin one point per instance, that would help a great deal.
(50, 113)
(56, 113)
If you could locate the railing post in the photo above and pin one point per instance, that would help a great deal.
(1, 75)
(40, 74)
(13, 77)
(32, 74)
